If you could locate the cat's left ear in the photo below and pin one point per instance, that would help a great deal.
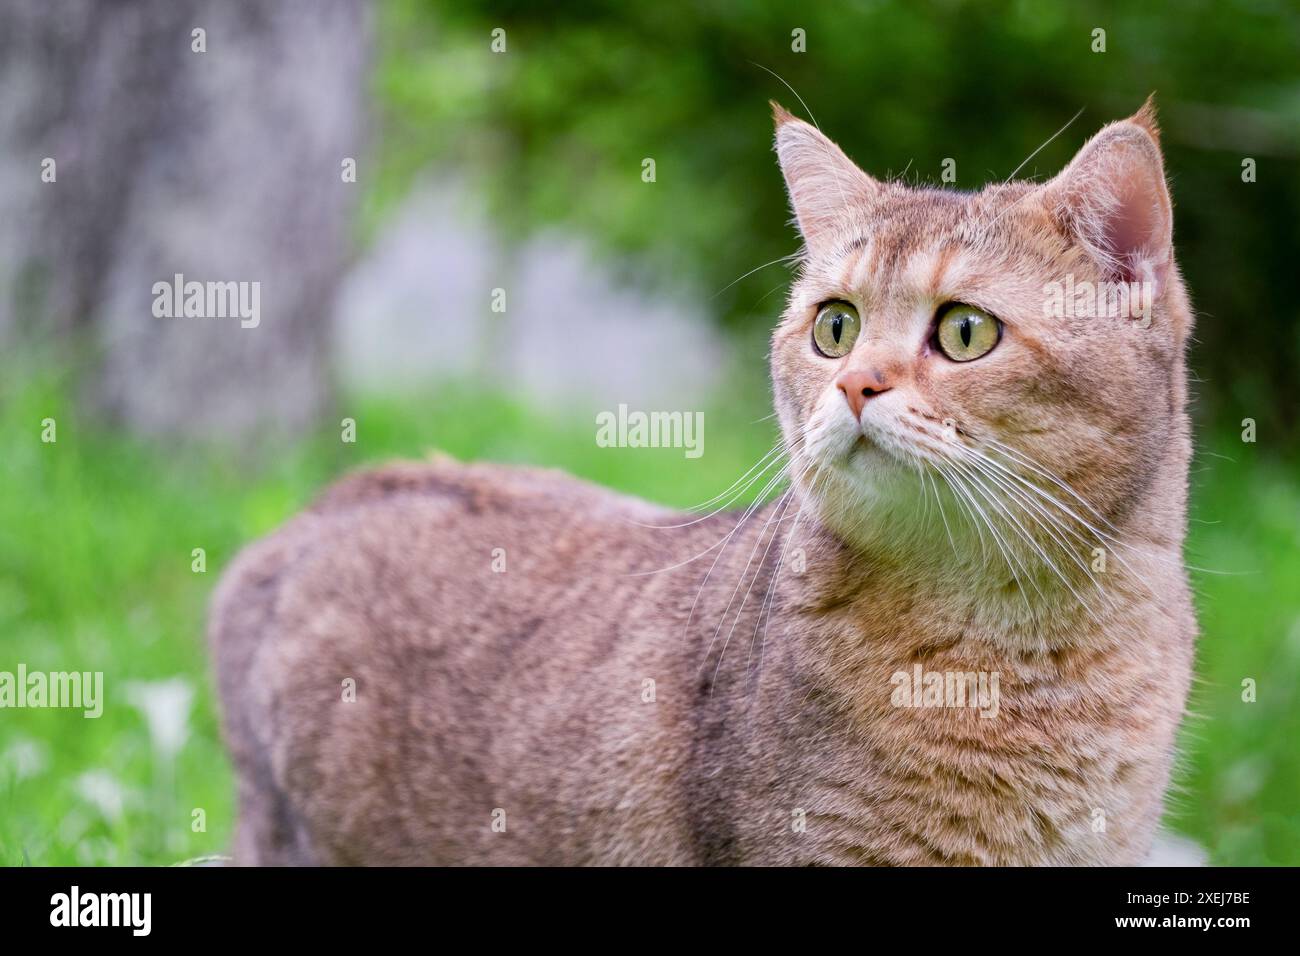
(826, 187)
(1112, 198)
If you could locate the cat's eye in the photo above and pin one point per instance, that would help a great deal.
(836, 329)
(965, 333)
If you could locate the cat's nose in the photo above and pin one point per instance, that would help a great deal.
(858, 385)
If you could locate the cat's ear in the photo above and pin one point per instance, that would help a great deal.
(1112, 198)
(823, 183)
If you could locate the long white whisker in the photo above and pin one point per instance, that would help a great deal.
(980, 488)
(1037, 467)
(1051, 522)
(997, 538)
(1012, 492)
(764, 608)
(776, 510)
(1046, 143)
(789, 258)
(1027, 462)
(965, 502)
(772, 483)
(791, 89)
(778, 452)
(1101, 535)
(817, 473)
(948, 531)
(749, 511)
(778, 513)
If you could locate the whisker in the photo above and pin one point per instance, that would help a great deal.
(997, 538)
(764, 608)
(839, 188)
(752, 508)
(980, 488)
(1040, 469)
(1029, 192)
(942, 515)
(963, 498)
(1101, 535)
(1046, 143)
(778, 509)
(790, 258)
(790, 88)
(817, 473)
(782, 504)
(757, 503)
(1051, 521)
(1019, 497)
(726, 611)
(774, 455)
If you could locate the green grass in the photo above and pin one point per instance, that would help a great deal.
(96, 534)
(1243, 769)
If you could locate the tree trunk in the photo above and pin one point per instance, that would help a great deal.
(222, 166)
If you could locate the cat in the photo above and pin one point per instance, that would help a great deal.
(962, 636)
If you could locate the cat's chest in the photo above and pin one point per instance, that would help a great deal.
(954, 760)
(928, 787)
(904, 735)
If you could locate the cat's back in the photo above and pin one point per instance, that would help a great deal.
(403, 520)
(410, 606)
(422, 550)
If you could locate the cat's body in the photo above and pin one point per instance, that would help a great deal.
(523, 690)
(444, 663)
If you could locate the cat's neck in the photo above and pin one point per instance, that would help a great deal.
(847, 686)
(795, 587)
(1007, 591)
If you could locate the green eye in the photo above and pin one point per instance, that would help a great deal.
(967, 333)
(836, 329)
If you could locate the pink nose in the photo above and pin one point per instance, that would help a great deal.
(858, 386)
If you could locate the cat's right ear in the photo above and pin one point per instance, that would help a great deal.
(824, 184)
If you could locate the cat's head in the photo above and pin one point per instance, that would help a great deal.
(944, 344)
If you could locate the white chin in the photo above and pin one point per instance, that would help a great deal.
(867, 454)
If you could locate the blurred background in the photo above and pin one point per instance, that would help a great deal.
(390, 171)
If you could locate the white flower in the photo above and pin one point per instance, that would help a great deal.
(166, 708)
(101, 789)
(24, 758)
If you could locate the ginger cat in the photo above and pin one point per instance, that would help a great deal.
(987, 496)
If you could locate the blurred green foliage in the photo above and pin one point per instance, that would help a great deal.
(557, 126)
